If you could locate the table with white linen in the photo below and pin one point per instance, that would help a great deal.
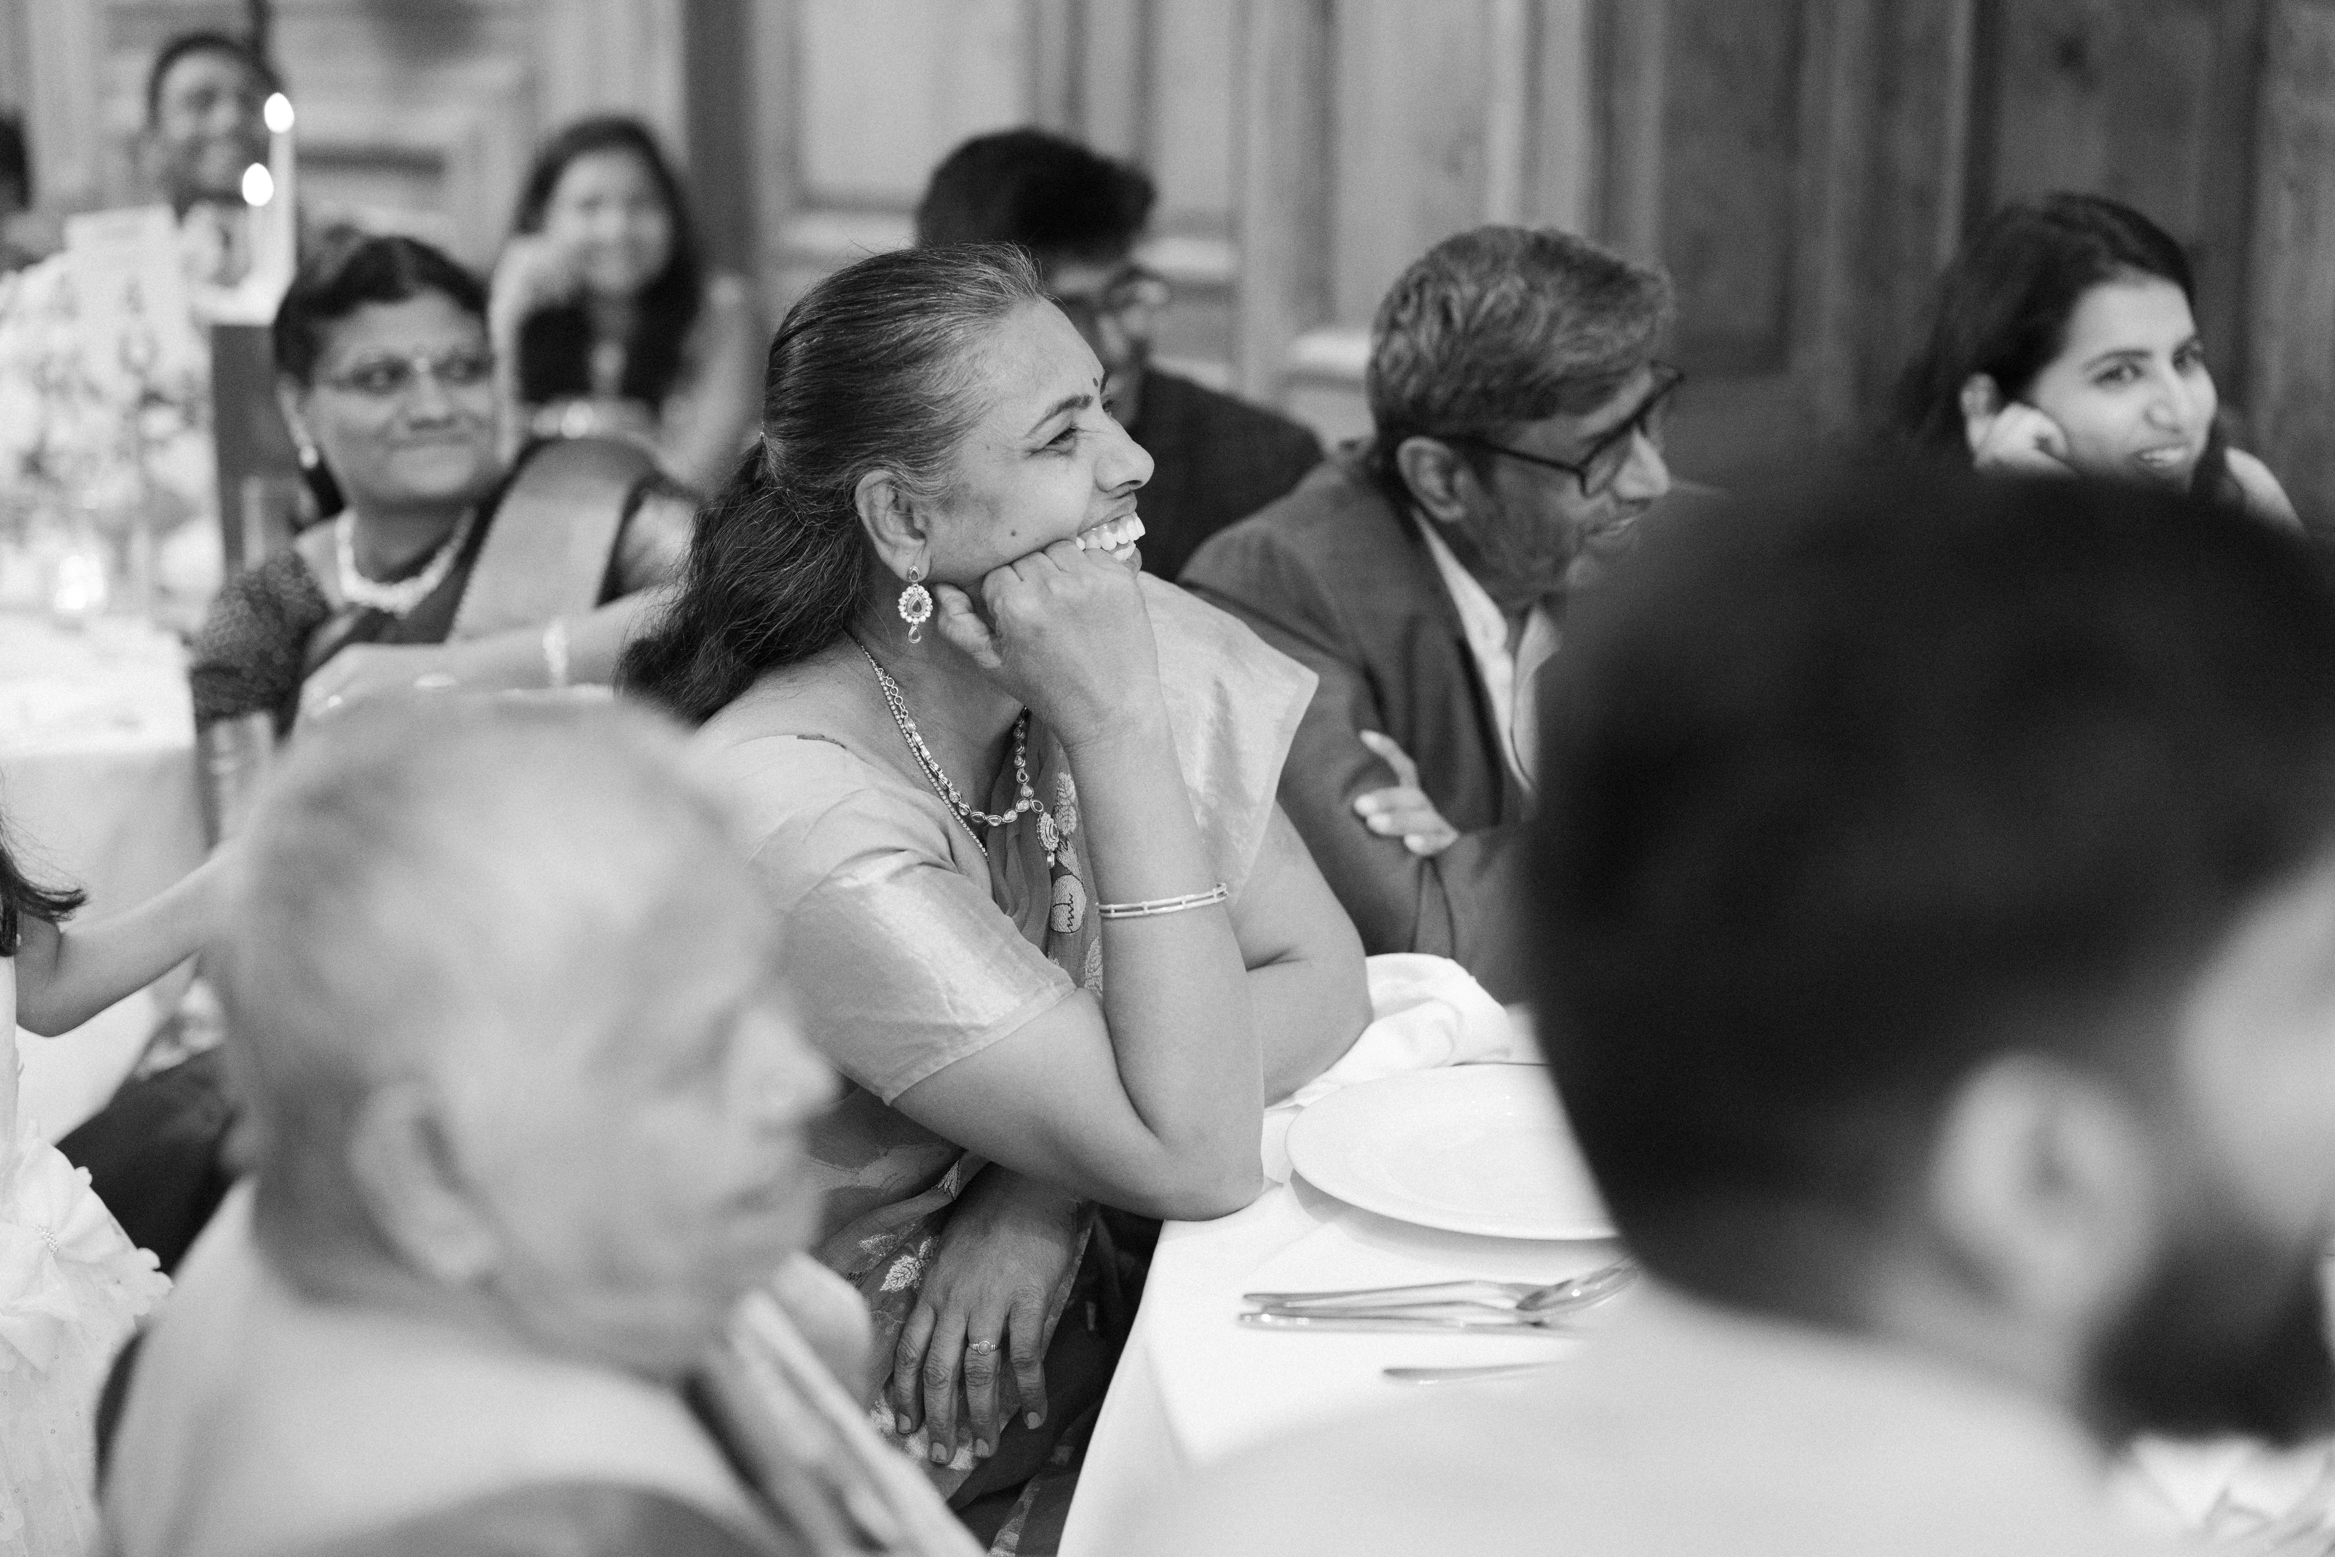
(1195, 1386)
(98, 789)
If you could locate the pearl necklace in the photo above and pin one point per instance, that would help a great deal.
(1049, 834)
(398, 598)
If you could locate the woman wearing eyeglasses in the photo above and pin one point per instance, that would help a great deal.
(449, 567)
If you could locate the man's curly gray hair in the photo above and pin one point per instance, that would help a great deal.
(1503, 325)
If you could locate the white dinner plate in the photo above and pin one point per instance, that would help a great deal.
(1471, 1149)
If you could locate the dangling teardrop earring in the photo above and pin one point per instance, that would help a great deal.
(309, 458)
(915, 604)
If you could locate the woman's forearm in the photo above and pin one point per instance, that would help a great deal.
(521, 659)
(1309, 1010)
(67, 974)
(1176, 995)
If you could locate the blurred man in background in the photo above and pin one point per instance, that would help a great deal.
(1215, 459)
(70, 410)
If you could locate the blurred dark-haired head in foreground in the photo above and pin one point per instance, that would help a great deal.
(1931, 909)
(1935, 909)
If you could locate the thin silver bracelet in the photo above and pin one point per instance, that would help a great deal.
(1164, 905)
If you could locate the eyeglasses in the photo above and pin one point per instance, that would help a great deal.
(1603, 464)
(387, 377)
(1131, 289)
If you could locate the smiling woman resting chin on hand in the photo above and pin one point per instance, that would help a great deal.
(1016, 801)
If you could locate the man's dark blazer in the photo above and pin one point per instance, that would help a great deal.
(1335, 576)
(1214, 459)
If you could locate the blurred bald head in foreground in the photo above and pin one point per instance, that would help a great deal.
(524, 1102)
(1932, 914)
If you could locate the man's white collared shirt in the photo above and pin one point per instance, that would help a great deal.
(1508, 674)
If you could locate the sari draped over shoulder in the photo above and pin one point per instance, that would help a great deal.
(909, 951)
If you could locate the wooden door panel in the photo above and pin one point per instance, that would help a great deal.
(887, 86)
(1408, 133)
(2152, 102)
(1730, 211)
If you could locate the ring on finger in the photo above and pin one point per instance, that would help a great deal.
(984, 1348)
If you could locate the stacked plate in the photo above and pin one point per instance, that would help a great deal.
(1471, 1149)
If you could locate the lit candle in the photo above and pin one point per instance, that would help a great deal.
(271, 196)
(277, 196)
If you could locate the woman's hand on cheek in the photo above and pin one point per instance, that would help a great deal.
(2019, 440)
(1064, 631)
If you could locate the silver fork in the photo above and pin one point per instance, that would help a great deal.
(1518, 1297)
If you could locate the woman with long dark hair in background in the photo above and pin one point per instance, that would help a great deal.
(2065, 340)
(604, 319)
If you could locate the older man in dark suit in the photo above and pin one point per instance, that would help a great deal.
(1517, 410)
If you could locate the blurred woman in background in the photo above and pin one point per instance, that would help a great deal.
(2065, 340)
(603, 319)
(450, 566)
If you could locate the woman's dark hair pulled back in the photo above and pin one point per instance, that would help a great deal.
(555, 344)
(2005, 302)
(871, 370)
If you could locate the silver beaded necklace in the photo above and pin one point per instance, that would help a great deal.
(1025, 802)
(401, 596)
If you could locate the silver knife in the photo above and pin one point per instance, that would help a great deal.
(1486, 1325)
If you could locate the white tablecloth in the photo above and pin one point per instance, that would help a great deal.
(97, 788)
(1194, 1386)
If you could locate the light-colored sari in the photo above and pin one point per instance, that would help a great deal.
(910, 950)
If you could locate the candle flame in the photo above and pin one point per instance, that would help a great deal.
(277, 111)
(259, 185)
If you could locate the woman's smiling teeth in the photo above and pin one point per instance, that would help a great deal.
(2171, 457)
(1116, 536)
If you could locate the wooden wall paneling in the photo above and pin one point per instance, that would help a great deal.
(1564, 145)
(614, 56)
(1191, 109)
(719, 145)
(1184, 106)
(1917, 120)
(1632, 53)
(1507, 109)
(1408, 144)
(63, 117)
(2291, 385)
(1831, 171)
(417, 118)
(876, 92)
(2149, 101)
(1282, 162)
(1110, 80)
(1731, 203)
(16, 69)
(1051, 57)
